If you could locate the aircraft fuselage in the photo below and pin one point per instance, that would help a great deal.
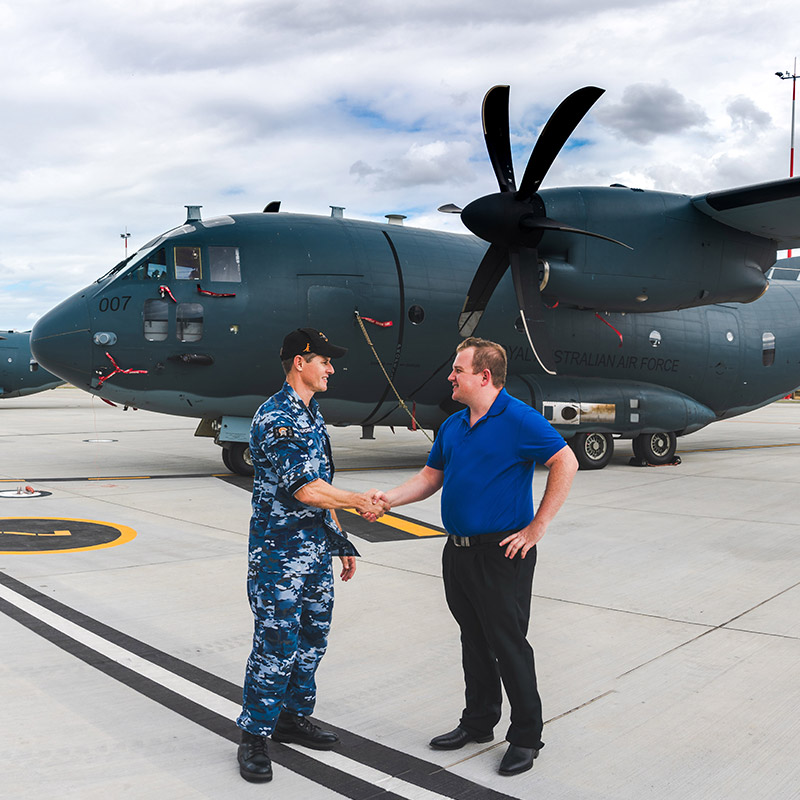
(194, 322)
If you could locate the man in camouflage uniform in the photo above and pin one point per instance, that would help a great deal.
(293, 534)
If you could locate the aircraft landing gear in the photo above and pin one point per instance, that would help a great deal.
(593, 450)
(236, 457)
(655, 448)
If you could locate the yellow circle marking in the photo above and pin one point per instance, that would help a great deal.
(126, 535)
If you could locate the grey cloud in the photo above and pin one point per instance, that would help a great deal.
(746, 115)
(648, 110)
(362, 169)
(434, 163)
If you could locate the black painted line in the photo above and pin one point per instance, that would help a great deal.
(387, 760)
(81, 478)
(206, 680)
(330, 777)
(377, 531)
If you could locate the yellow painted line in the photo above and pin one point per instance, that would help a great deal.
(741, 447)
(126, 534)
(123, 478)
(414, 528)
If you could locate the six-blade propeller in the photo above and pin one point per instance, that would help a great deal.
(514, 220)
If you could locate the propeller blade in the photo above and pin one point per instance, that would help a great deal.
(449, 208)
(491, 269)
(525, 271)
(498, 139)
(553, 137)
(533, 223)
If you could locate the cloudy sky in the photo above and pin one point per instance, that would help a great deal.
(115, 114)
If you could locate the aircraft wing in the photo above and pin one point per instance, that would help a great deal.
(769, 209)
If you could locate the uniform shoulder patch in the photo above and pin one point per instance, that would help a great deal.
(284, 432)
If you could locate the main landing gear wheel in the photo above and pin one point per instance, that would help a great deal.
(236, 457)
(655, 448)
(593, 450)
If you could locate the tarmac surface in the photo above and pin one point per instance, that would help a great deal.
(666, 622)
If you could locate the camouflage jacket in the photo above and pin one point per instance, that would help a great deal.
(290, 447)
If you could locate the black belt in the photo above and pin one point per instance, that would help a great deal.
(481, 538)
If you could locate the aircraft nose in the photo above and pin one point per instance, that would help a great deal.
(61, 342)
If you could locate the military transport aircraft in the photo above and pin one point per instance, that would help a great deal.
(20, 373)
(624, 315)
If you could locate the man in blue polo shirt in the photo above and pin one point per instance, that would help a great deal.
(483, 460)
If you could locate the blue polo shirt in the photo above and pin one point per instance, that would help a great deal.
(488, 468)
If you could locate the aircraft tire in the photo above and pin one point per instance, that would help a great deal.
(593, 450)
(655, 448)
(237, 459)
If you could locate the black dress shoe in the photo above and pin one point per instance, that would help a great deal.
(517, 759)
(456, 739)
(254, 761)
(300, 730)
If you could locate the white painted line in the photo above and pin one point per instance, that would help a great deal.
(164, 677)
(210, 700)
(374, 776)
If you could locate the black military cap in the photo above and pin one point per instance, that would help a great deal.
(309, 340)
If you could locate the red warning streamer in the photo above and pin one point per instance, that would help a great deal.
(610, 326)
(200, 290)
(378, 323)
(164, 292)
(117, 369)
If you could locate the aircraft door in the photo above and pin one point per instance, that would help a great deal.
(331, 309)
(8, 367)
(724, 356)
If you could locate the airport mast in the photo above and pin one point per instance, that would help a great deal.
(785, 76)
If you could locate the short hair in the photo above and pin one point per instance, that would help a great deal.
(286, 363)
(487, 355)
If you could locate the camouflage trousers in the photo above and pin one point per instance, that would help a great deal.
(292, 610)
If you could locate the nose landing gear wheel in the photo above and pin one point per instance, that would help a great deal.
(593, 450)
(236, 458)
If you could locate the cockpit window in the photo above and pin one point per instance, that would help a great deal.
(188, 266)
(223, 264)
(115, 269)
(153, 268)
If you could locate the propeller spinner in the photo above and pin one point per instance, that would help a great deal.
(514, 220)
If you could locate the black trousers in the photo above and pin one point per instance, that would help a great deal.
(490, 597)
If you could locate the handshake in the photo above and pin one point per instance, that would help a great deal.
(372, 504)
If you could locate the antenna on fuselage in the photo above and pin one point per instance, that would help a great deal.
(193, 213)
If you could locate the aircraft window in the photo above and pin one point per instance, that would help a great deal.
(767, 349)
(115, 269)
(784, 274)
(655, 339)
(223, 264)
(153, 268)
(187, 264)
(190, 322)
(416, 314)
(156, 320)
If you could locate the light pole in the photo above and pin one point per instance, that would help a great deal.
(125, 236)
(785, 76)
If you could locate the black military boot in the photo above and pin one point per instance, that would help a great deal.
(254, 761)
(300, 730)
